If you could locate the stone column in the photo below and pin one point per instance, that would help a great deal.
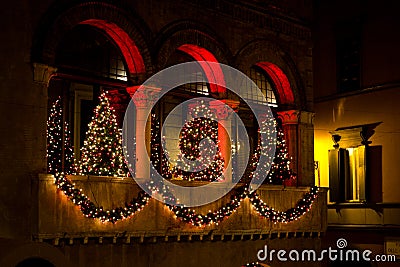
(42, 74)
(223, 114)
(144, 101)
(299, 134)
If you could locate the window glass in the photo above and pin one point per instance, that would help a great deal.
(263, 83)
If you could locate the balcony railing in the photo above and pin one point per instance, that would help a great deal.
(59, 218)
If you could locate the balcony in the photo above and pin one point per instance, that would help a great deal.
(60, 219)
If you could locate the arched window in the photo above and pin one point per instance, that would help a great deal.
(263, 82)
(251, 94)
(87, 51)
(189, 90)
(88, 62)
(200, 87)
(178, 95)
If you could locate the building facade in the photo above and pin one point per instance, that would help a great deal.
(356, 94)
(75, 50)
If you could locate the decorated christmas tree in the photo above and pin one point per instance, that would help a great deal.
(199, 145)
(60, 155)
(280, 169)
(158, 157)
(102, 153)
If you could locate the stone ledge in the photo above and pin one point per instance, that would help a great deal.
(161, 236)
(130, 180)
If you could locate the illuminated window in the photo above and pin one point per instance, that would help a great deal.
(355, 169)
(197, 87)
(116, 68)
(263, 83)
(347, 171)
(194, 72)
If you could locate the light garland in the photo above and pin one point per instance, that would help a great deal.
(89, 209)
(292, 214)
(190, 215)
(212, 217)
(185, 214)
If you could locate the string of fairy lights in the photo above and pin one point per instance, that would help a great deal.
(158, 156)
(101, 153)
(198, 154)
(185, 214)
(280, 169)
(60, 154)
(103, 122)
(90, 210)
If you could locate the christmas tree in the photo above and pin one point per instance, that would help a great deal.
(204, 160)
(102, 153)
(158, 157)
(280, 169)
(60, 155)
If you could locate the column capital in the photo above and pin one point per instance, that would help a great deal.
(296, 116)
(42, 73)
(220, 107)
(116, 96)
(289, 116)
(307, 117)
(145, 97)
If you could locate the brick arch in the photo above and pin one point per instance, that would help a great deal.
(127, 46)
(280, 81)
(189, 32)
(279, 66)
(19, 253)
(35, 261)
(213, 73)
(127, 30)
